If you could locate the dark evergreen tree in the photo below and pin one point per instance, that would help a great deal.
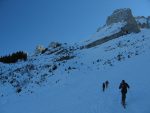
(14, 57)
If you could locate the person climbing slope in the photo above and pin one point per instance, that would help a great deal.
(107, 83)
(103, 87)
(123, 86)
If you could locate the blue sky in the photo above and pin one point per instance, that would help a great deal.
(27, 23)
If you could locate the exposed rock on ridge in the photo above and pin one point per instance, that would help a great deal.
(143, 22)
(124, 15)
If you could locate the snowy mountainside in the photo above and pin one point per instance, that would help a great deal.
(76, 85)
(67, 78)
(68, 58)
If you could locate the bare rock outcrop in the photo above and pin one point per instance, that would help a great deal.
(124, 15)
(143, 22)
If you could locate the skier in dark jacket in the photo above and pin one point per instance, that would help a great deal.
(107, 83)
(103, 86)
(123, 86)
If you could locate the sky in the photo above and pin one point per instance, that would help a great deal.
(24, 24)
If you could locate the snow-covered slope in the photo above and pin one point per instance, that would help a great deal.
(78, 89)
(107, 30)
(68, 78)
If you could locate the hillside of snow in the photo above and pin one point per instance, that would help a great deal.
(78, 88)
(107, 30)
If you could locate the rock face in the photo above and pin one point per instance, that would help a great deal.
(143, 22)
(105, 39)
(124, 15)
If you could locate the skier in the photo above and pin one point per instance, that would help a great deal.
(123, 86)
(103, 86)
(107, 83)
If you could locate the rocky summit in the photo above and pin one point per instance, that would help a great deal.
(124, 15)
(121, 22)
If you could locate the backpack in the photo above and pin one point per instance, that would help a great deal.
(124, 88)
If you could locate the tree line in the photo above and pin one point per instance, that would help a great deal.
(14, 57)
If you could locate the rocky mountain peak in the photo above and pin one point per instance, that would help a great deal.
(119, 15)
(124, 15)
